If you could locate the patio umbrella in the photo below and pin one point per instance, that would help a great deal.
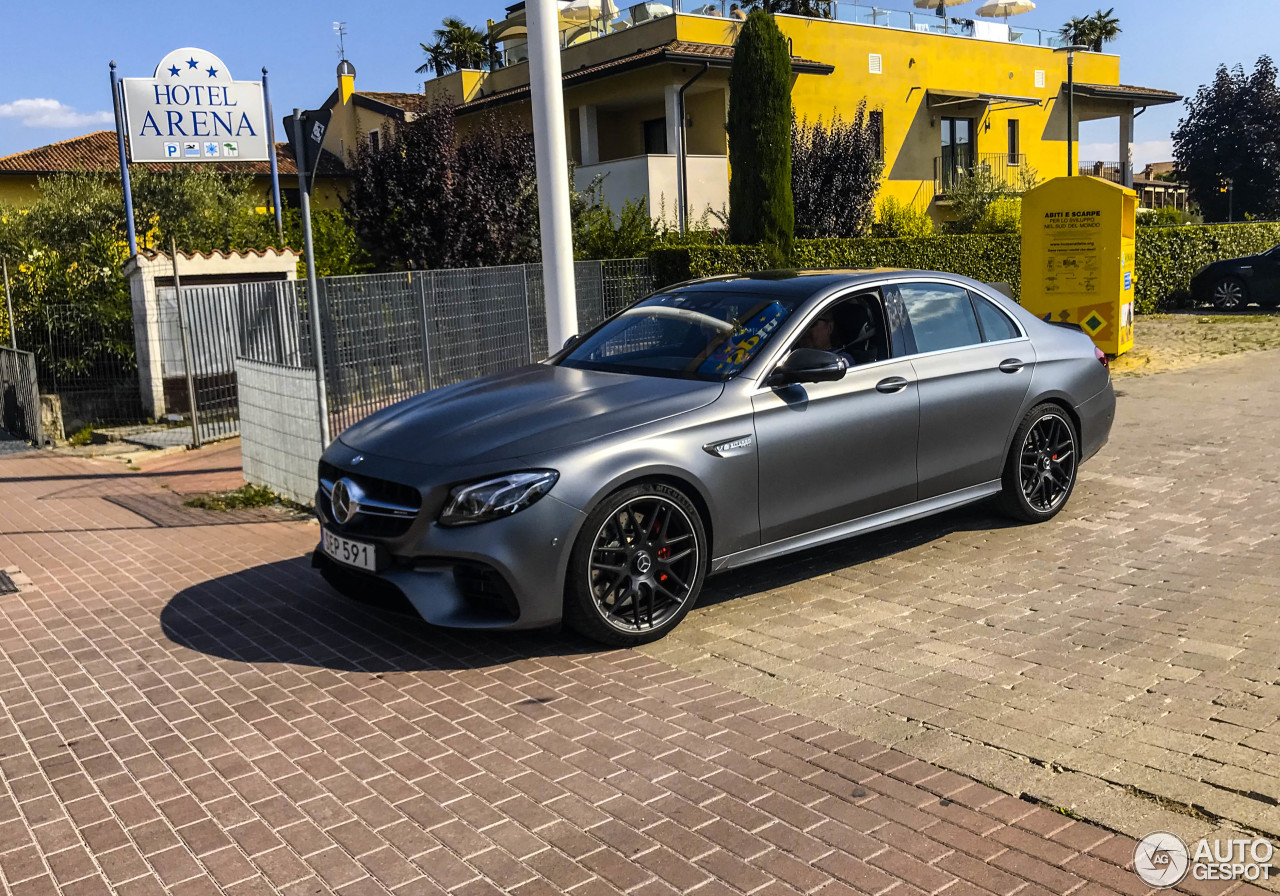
(588, 10)
(1004, 8)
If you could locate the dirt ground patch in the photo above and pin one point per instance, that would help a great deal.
(1177, 341)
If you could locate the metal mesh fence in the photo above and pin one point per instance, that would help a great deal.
(280, 427)
(19, 396)
(87, 358)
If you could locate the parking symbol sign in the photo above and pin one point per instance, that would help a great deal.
(171, 150)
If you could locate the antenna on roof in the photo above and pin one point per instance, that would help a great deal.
(340, 29)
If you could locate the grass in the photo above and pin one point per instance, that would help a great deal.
(247, 496)
(83, 437)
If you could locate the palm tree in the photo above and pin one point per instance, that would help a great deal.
(467, 47)
(1103, 28)
(437, 59)
(1076, 31)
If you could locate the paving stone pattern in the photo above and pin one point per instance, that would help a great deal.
(1120, 661)
(189, 710)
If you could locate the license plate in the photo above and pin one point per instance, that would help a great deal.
(352, 553)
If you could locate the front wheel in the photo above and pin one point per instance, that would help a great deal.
(637, 566)
(1230, 294)
(1040, 471)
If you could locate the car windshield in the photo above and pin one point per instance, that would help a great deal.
(695, 335)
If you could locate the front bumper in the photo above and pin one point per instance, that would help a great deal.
(503, 574)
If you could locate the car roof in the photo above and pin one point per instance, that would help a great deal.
(798, 283)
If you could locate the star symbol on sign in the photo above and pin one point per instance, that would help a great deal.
(191, 63)
(213, 72)
(173, 70)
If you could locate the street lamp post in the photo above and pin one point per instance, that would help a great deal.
(1070, 50)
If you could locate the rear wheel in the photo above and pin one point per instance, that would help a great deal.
(1230, 294)
(637, 566)
(1040, 472)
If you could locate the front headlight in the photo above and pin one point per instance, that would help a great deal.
(491, 499)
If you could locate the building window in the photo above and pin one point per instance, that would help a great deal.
(957, 151)
(655, 137)
(1014, 148)
(375, 140)
(875, 122)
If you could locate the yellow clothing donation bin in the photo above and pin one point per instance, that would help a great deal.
(1077, 257)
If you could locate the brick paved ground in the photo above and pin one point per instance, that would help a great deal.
(1120, 661)
(188, 710)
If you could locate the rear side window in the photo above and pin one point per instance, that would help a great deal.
(995, 323)
(941, 316)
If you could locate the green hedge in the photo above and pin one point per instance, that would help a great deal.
(992, 258)
(1167, 257)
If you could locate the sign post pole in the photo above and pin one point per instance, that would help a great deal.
(8, 300)
(271, 150)
(313, 293)
(125, 187)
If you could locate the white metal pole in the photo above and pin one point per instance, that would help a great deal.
(553, 171)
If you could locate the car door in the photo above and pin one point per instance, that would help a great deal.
(834, 452)
(1266, 278)
(973, 367)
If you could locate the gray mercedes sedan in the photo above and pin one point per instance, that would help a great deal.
(717, 423)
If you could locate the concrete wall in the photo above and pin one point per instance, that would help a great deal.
(653, 178)
(279, 428)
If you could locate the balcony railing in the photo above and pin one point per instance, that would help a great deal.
(1005, 171)
(1105, 170)
(927, 22)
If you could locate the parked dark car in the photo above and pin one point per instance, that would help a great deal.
(714, 424)
(1235, 282)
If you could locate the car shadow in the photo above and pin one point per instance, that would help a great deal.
(284, 612)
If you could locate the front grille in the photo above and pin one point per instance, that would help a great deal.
(382, 490)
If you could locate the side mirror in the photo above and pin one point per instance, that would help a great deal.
(570, 341)
(808, 365)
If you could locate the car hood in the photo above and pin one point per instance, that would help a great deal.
(522, 412)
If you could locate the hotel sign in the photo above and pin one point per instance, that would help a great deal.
(192, 111)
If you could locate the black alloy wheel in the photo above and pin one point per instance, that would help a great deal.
(637, 566)
(1040, 472)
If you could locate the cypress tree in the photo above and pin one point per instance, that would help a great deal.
(760, 205)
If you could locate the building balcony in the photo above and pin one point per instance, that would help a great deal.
(653, 178)
(1005, 171)
(581, 21)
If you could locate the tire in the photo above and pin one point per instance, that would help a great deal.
(637, 566)
(1230, 294)
(1040, 472)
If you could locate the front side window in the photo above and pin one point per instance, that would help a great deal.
(941, 316)
(692, 335)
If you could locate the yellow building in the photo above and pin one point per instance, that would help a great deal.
(947, 94)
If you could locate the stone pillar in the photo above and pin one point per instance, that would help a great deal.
(1126, 149)
(146, 332)
(589, 135)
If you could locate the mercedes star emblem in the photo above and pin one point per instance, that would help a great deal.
(345, 500)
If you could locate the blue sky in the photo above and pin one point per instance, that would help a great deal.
(54, 76)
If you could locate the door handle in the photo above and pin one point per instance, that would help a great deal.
(892, 384)
(1011, 365)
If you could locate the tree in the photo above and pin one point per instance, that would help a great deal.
(835, 175)
(1092, 31)
(814, 9)
(427, 199)
(202, 208)
(1229, 136)
(457, 46)
(760, 203)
